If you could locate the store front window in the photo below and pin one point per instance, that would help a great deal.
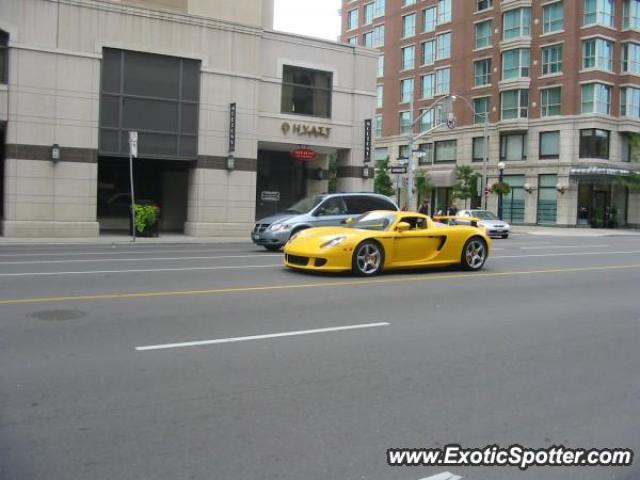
(602, 203)
(547, 199)
(513, 204)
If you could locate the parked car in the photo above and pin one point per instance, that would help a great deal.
(317, 211)
(495, 227)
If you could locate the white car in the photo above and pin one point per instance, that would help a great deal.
(494, 226)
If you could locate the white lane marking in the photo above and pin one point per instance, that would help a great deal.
(261, 337)
(443, 476)
(565, 246)
(146, 259)
(143, 270)
(575, 254)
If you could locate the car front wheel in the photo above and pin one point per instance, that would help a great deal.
(368, 259)
(474, 254)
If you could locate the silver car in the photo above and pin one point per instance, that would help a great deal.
(317, 211)
(494, 226)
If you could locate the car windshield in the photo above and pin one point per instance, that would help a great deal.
(305, 205)
(483, 215)
(374, 221)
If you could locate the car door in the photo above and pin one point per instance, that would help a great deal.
(418, 245)
(330, 212)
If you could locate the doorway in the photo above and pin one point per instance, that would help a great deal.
(281, 182)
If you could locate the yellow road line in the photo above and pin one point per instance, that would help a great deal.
(350, 283)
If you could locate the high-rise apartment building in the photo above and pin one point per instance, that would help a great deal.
(557, 80)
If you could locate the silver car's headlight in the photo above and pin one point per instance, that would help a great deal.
(334, 242)
(280, 227)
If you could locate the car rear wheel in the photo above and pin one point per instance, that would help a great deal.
(368, 259)
(474, 254)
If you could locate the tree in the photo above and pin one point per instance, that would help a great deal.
(382, 183)
(333, 170)
(466, 186)
(423, 185)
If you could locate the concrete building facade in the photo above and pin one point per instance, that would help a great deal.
(558, 82)
(77, 75)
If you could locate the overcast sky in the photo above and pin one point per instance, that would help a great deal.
(314, 18)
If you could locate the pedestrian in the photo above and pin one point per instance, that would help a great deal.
(424, 208)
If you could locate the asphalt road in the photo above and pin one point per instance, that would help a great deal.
(541, 348)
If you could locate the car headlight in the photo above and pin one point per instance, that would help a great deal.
(334, 242)
(280, 227)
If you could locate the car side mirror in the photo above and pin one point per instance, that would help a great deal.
(347, 221)
(403, 227)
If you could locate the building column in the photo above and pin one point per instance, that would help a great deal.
(318, 175)
(349, 174)
(633, 210)
(568, 203)
(531, 201)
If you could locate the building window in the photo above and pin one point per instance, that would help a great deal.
(406, 90)
(481, 108)
(552, 60)
(631, 58)
(515, 63)
(4, 57)
(597, 53)
(378, 8)
(352, 41)
(378, 126)
(630, 102)
(599, 11)
(368, 13)
(306, 91)
(426, 120)
(430, 19)
(405, 122)
(596, 98)
(428, 86)
(427, 158)
(547, 199)
(482, 72)
(379, 96)
(513, 146)
(550, 102)
(516, 23)
(374, 38)
(443, 42)
(515, 104)
(444, 11)
(550, 145)
(553, 17)
(380, 72)
(443, 80)
(483, 34)
(477, 150)
(408, 57)
(483, 5)
(409, 25)
(631, 14)
(594, 143)
(352, 19)
(406, 3)
(428, 52)
(445, 151)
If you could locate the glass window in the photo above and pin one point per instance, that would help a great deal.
(408, 57)
(408, 2)
(443, 79)
(550, 144)
(631, 14)
(428, 52)
(481, 107)
(516, 23)
(514, 204)
(352, 19)
(406, 90)
(553, 17)
(306, 91)
(482, 72)
(426, 120)
(405, 122)
(368, 13)
(599, 11)
(513, 146)
(552, 60)
(374, 38)
(428, 86)
(515, 104)
(380, 72)
(378, 8)
(597, 53)
(444, 11)
(550, 102)
(4, 57)
(378, 126)
(483, 34)
(596, 98)
(443, 42)
(379, 96)
(352, 41)
(547, 199)
(409, 25)
(483, 5)
(445, 151)
(515, 63)
(630, 102)
(631, 58)
(594, 143)
(430, 19)
(477, 150)
(427, 159)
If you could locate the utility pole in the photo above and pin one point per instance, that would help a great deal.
(133, 152)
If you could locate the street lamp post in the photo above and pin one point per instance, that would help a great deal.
(501, 167)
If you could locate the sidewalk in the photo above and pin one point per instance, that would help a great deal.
(573, 232)
(110, 239)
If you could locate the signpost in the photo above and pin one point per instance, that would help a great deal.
(367, 140)
(133, 152)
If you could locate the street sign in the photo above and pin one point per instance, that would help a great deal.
(267, 196)
(232, 127)
(133, 144)
(367, 140)
(399, 169)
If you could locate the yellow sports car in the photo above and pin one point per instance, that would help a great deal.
(383, 240)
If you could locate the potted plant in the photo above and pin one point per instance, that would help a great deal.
(146, 219)
(501, 188)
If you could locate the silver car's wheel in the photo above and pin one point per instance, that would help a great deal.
(368, 259)
(474, 254)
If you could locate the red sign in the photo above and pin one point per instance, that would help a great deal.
(304, 154)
